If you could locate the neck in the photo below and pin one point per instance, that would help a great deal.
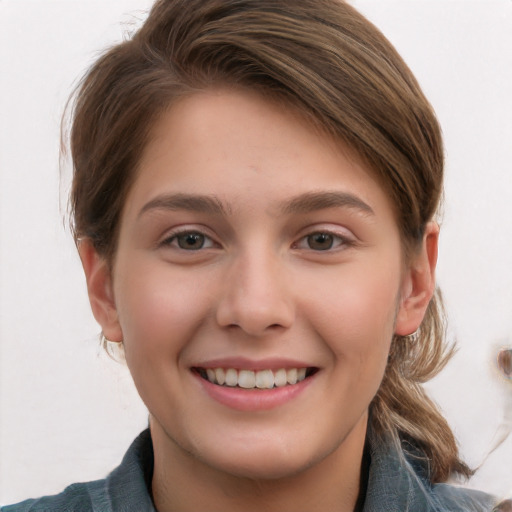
(184, 483)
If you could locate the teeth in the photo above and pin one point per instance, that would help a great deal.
(291, 376)
(248, 379)
(231, 377)
(280, 378)
(220, 376)
(265, 379)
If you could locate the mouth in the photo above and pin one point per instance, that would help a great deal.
(250, 379)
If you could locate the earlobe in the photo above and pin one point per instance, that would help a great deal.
(100, 290)
(419, 283)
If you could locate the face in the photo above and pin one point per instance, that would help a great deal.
(257, 284)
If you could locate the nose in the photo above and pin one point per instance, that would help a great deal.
(256, 296)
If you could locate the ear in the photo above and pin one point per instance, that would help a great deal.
(100, 289)
(418, 283)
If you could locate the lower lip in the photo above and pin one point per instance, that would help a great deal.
(253, 399)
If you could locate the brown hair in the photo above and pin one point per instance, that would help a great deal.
(322, 57)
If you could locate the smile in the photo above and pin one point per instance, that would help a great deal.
(249, 379)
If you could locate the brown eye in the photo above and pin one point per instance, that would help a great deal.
(190, 241)
(320, 241)
(325, 241)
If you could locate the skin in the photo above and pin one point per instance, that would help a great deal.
(262, 287)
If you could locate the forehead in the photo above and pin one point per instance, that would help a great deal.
(231, 142)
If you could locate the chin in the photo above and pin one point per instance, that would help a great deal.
(259, 460)
(263, 466)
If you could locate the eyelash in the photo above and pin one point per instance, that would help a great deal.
(338, 241)
(173, 239)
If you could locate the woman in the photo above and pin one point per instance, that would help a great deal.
(253, 202)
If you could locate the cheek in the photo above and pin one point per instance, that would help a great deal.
(355, 315)
(159, 310)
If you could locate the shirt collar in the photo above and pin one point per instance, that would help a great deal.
(129, 484)
(397, 481)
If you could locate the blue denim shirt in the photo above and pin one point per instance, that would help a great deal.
(396, 483)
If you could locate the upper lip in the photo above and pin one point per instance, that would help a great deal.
(241, 363)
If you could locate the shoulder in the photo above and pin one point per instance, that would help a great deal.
(399, 480)
(126, 488)
(80, 497)
(452, 497)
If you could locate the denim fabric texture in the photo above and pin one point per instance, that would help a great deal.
(397, 483)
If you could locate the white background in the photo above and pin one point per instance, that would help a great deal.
(68, 413)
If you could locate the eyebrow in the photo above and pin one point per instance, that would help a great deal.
(302, 204)
(313, 201)
(198, 203)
